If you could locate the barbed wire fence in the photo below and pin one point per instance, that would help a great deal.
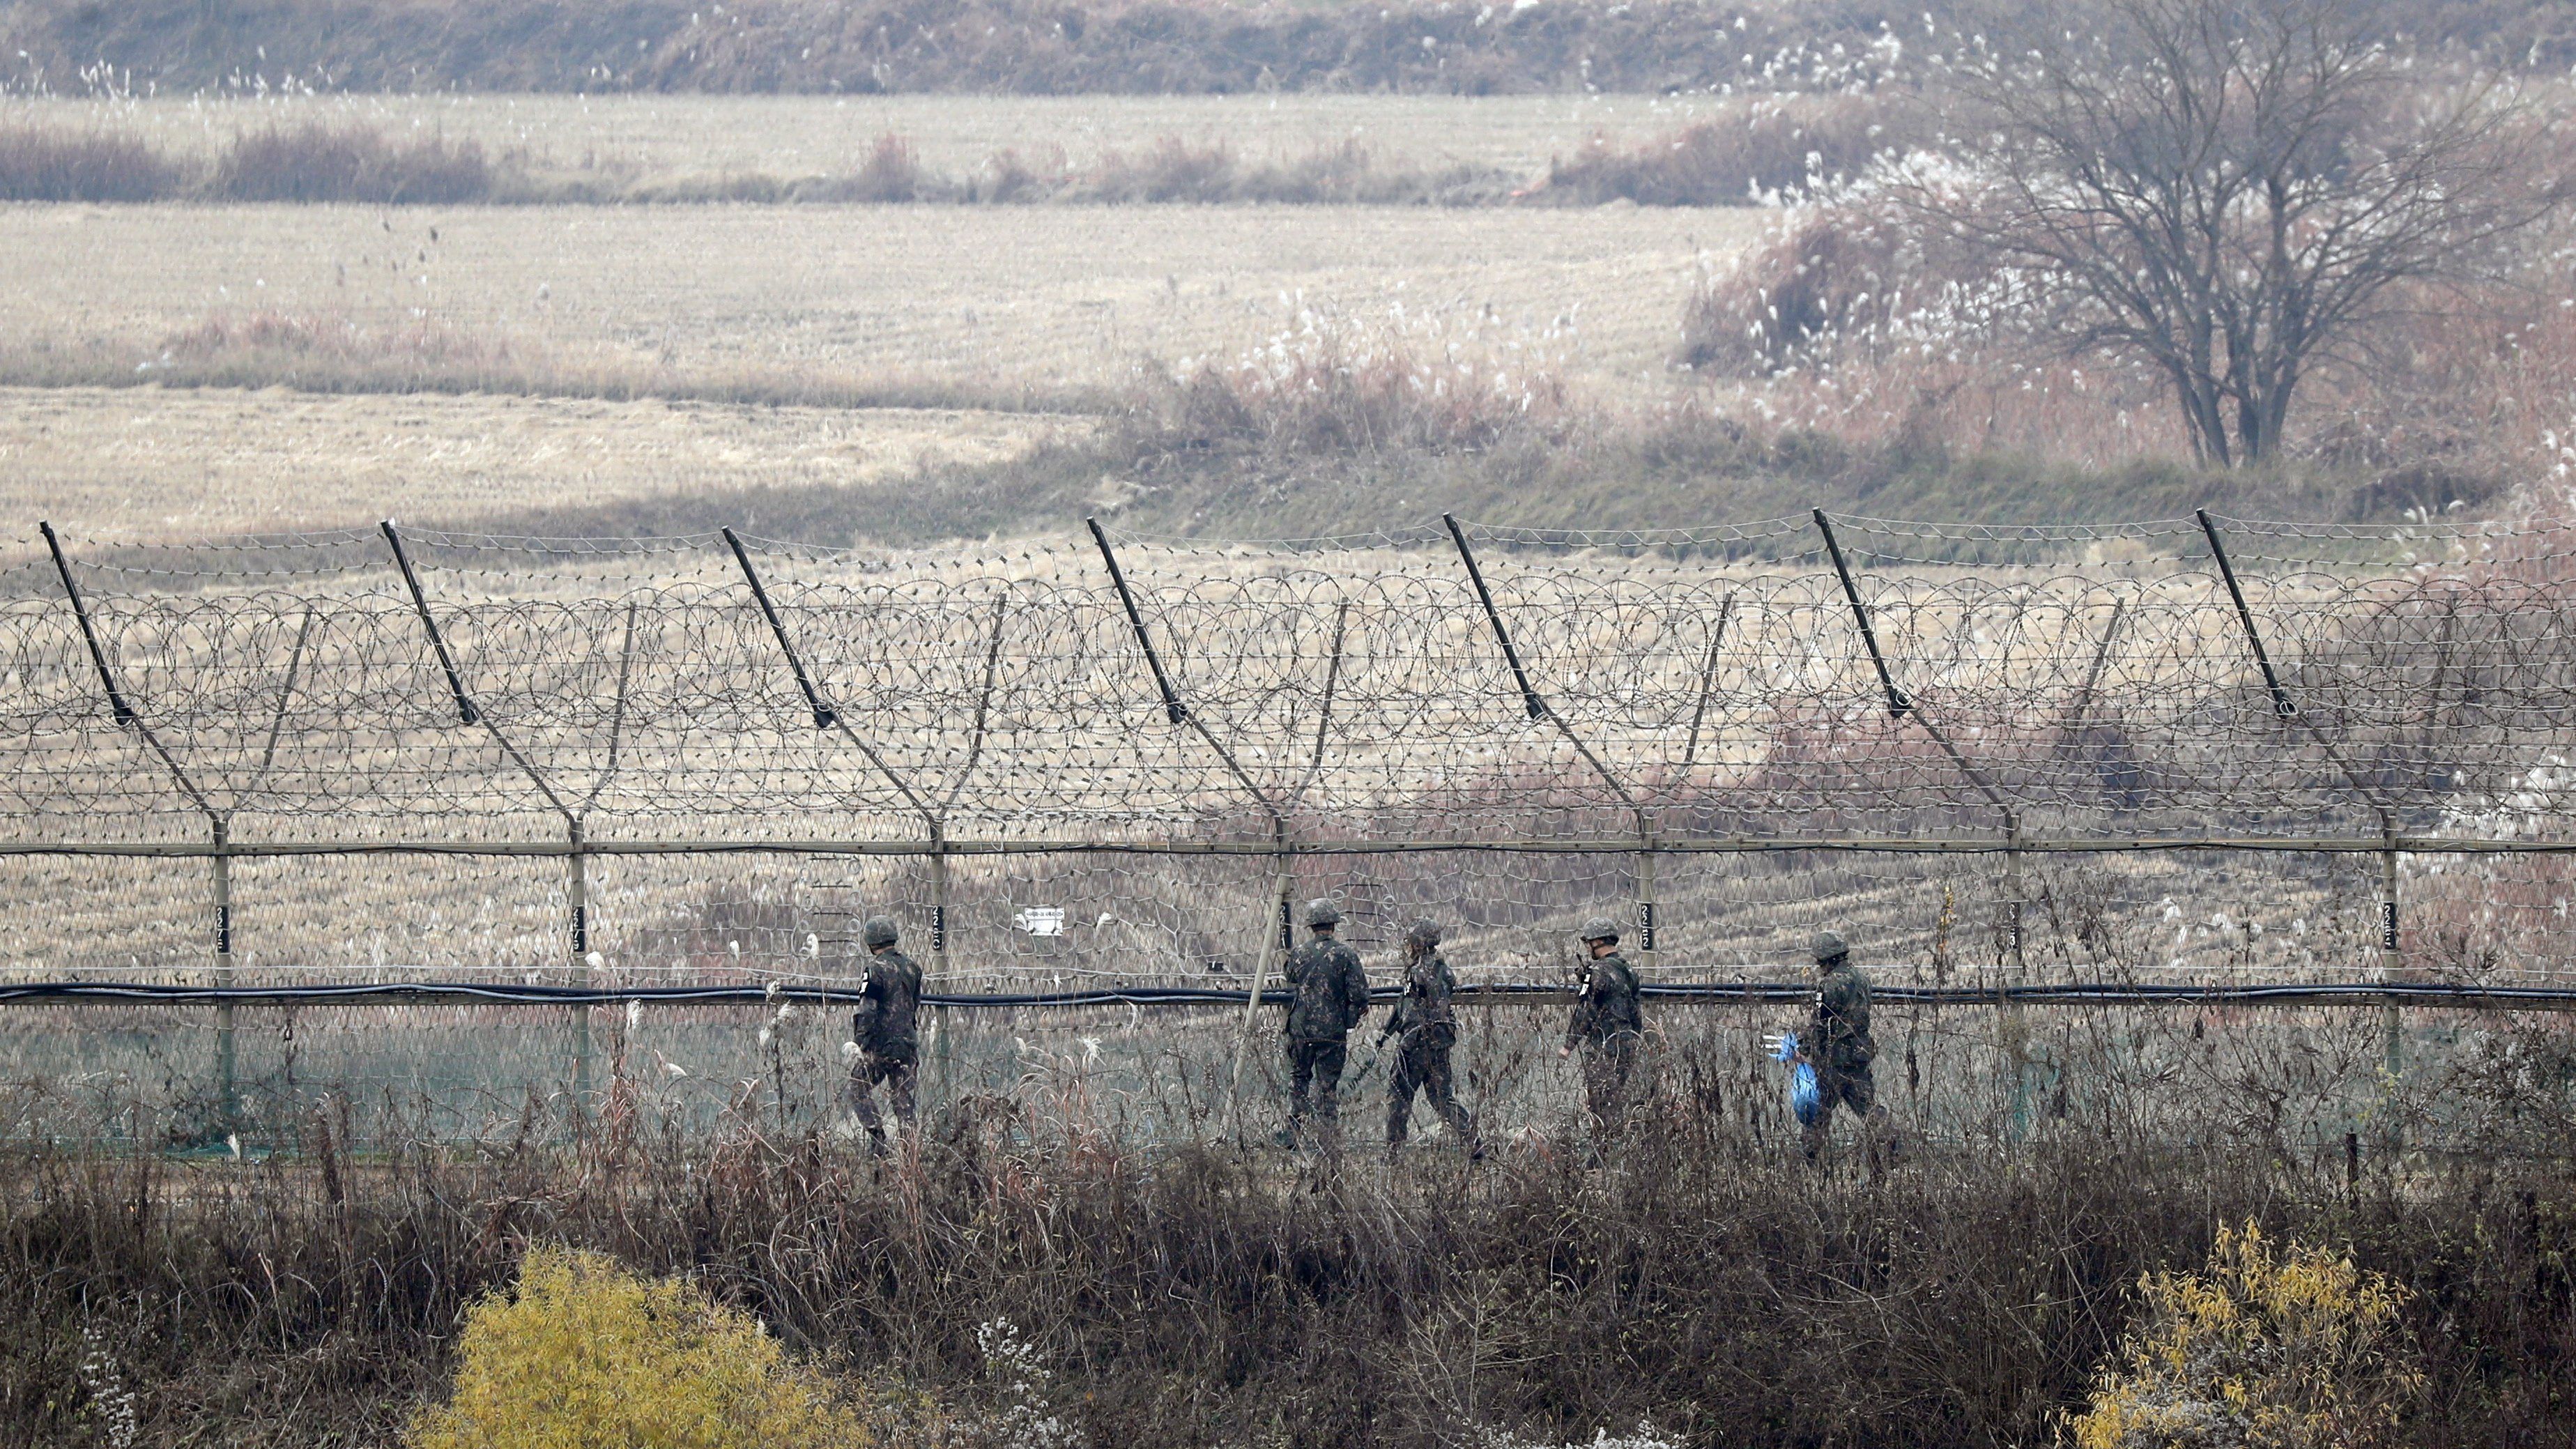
(546, 784)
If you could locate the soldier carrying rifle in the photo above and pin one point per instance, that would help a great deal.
(1424, 1025)
(1329, 994)
(883, 1031)
(1841, 1049)
(1608, 1021)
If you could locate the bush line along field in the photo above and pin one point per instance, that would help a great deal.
(1705, 153)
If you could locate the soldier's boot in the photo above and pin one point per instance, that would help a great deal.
(1885, 1150)
(877, 1146)
(1464, 1125)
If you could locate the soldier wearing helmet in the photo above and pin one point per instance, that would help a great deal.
(1329, 993)
(1424, 1025)
(1839, 1046)
(883, 1030)
(1608, 1021)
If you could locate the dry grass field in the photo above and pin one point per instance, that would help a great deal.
(1054, 296)
(149, 463)
(681, 136)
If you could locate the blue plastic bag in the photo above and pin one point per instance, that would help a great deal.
(1804, 1100)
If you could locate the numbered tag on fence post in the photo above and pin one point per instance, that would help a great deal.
(1645, 925)
(938, 928)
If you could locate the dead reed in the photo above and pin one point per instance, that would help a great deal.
(1698, 1277)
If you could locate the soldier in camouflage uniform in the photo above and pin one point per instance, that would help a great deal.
(1838, 1045)
(1424, 1025)
(1608, 1021)
(884, 1031)
(1329, 993)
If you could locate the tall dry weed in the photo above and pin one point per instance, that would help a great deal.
(319, 162)
(1767, 148)
(43, 164)
(1403, 381)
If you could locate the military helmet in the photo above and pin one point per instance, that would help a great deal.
(1320, 912)
(1829, 947)
(1599, 928)
(1423, 934)
(877, 931)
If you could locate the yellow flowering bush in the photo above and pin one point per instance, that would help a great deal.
(2294, 1350)
(585, 1355)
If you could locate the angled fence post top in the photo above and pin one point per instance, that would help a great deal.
(1173, 709)
(825, 716)
(1345, 728)
(1476, 575)
(2282, 704)
(466, 713)
(89, 631)
(1897, 703)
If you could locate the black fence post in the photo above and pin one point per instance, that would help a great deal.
(824, 714)
(1173, 709)
(2282, 705)
(1529, 695)
(1897, 703)
(465, 711)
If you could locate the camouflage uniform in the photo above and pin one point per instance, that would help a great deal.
(1424, 1025)
(1840, 1047)
(1608, 1024)
(884, 1027)
(1331, 994)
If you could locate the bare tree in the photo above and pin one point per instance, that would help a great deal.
(2230, 190)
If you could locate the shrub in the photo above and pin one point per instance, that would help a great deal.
(1339, 383)
(2299, 1350)
(316, 162)
(43, 165)
(1170, 170)
(1770, 147)
(585, 1354)
(1818, 279)
(892, 172)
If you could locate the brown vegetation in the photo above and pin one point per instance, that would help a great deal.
(1772, 147)
(1121, 46)
(1702, 1278)
(352, 163)
(42, 164)
(356, 162)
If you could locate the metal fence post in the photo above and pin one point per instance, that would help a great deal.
(465, 711)
(1897, 703)
(227, 1086)
(1173, 709)
(1540, 710)
(824, 714)
(1493, 616)
(2281, 703)
(577, 891)
(227, 1070)
(1281, 847)
(1646, 895)
(1280, 943)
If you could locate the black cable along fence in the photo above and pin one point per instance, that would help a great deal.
(466, 823)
